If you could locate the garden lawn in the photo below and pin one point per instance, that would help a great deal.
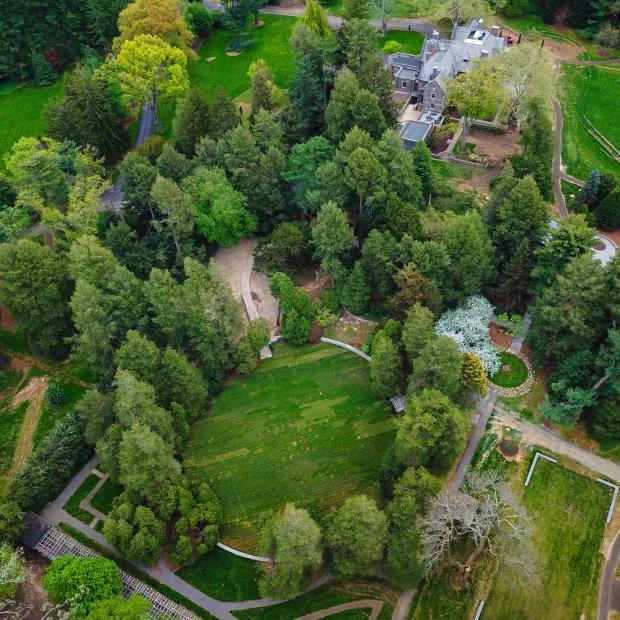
(569, 511)
(103, 498)
(513, 371)
(21, 112)
(327, 596)
(51, 414)
(223, 576)
(73, 504)
(10, 424)
(592, 92)
(231, 72)
(411, 41)
(305, 427)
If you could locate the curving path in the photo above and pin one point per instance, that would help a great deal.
(557, 173)
(331, 611)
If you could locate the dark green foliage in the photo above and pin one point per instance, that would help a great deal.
(608, 212)
(537, 151)
(43, 72)
(422, 163)
(432, 431)
(224, 115)
(174, 166)
(355, 295)
(191, 120)
(576, 371)
(569, 315)
(8, 192)
(588, 194)
(198, 18)
(89, 113)
(34, 287)
(306, 95)
(413, 288)
(606, 417)
(55, 394)
(52, 464)
(385, 366)
(82, 582)
(11, 520)
(259, 334)
(283, 249)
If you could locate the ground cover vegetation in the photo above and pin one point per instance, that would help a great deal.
(132, 297)
(560, 502)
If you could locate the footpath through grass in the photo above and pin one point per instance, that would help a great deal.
(592, 92)
(305, 427)
(21, 112)
(327, 596)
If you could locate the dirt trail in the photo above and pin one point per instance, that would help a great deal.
(33, 393)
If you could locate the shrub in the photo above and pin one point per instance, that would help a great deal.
(295, 327)
(44, 73)
(323, 316)
(55, 395)
(198, 19)
(82, 582)
(608, 212)
(11, 520)
(11, 570)
(331, 300)
(392, 47)
(151, 148)
(259, 334)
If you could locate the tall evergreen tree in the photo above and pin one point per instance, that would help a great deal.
(191, 122)
(224, 115)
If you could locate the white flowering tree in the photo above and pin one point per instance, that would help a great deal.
(468, 326)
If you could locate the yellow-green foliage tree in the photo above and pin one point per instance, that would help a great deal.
(315, 18)
(149, 68)
(473, 378)
(161, 18)
(478, 93)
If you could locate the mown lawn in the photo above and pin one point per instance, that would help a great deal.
(103, 498)
(592, 92)
(73, 505)
(52, 414)
(569, 512)
(411, 41)
(305, 427)
(231, 72)
(513, 371)
(21, 112)
(223, 576)
(327, 596)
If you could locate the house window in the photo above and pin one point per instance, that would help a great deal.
(404, 84)
(433, 96)
(432, 105)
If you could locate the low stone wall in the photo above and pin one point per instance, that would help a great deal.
(524, 388)
(346, 346)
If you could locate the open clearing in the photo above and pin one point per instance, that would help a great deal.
(271, 43)
(569, 512)
(305, 427)
(21, 112)
(592, 92)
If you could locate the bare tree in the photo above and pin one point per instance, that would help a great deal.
(487, 513)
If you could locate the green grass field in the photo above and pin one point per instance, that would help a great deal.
(103, 498)
(592, 92)
(73, 505)
(329, 595)
(51, 415)
(10, 424)
(223, 576)
(21, 112)
(569, 512)
(231, 72)
(411, 41)
(305, 427)
(513, 371)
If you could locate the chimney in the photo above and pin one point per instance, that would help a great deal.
(481, 23)
(433, 46)
(435, 35)
(484, 53)
(496, 30)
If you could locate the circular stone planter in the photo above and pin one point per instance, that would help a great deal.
(518, 390)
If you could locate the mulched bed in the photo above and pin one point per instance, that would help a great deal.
(499, 336)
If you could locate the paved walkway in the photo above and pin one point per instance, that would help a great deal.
(557, 173)
(392, 23)
(609, 590)
(338, 609)
(535, 434)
